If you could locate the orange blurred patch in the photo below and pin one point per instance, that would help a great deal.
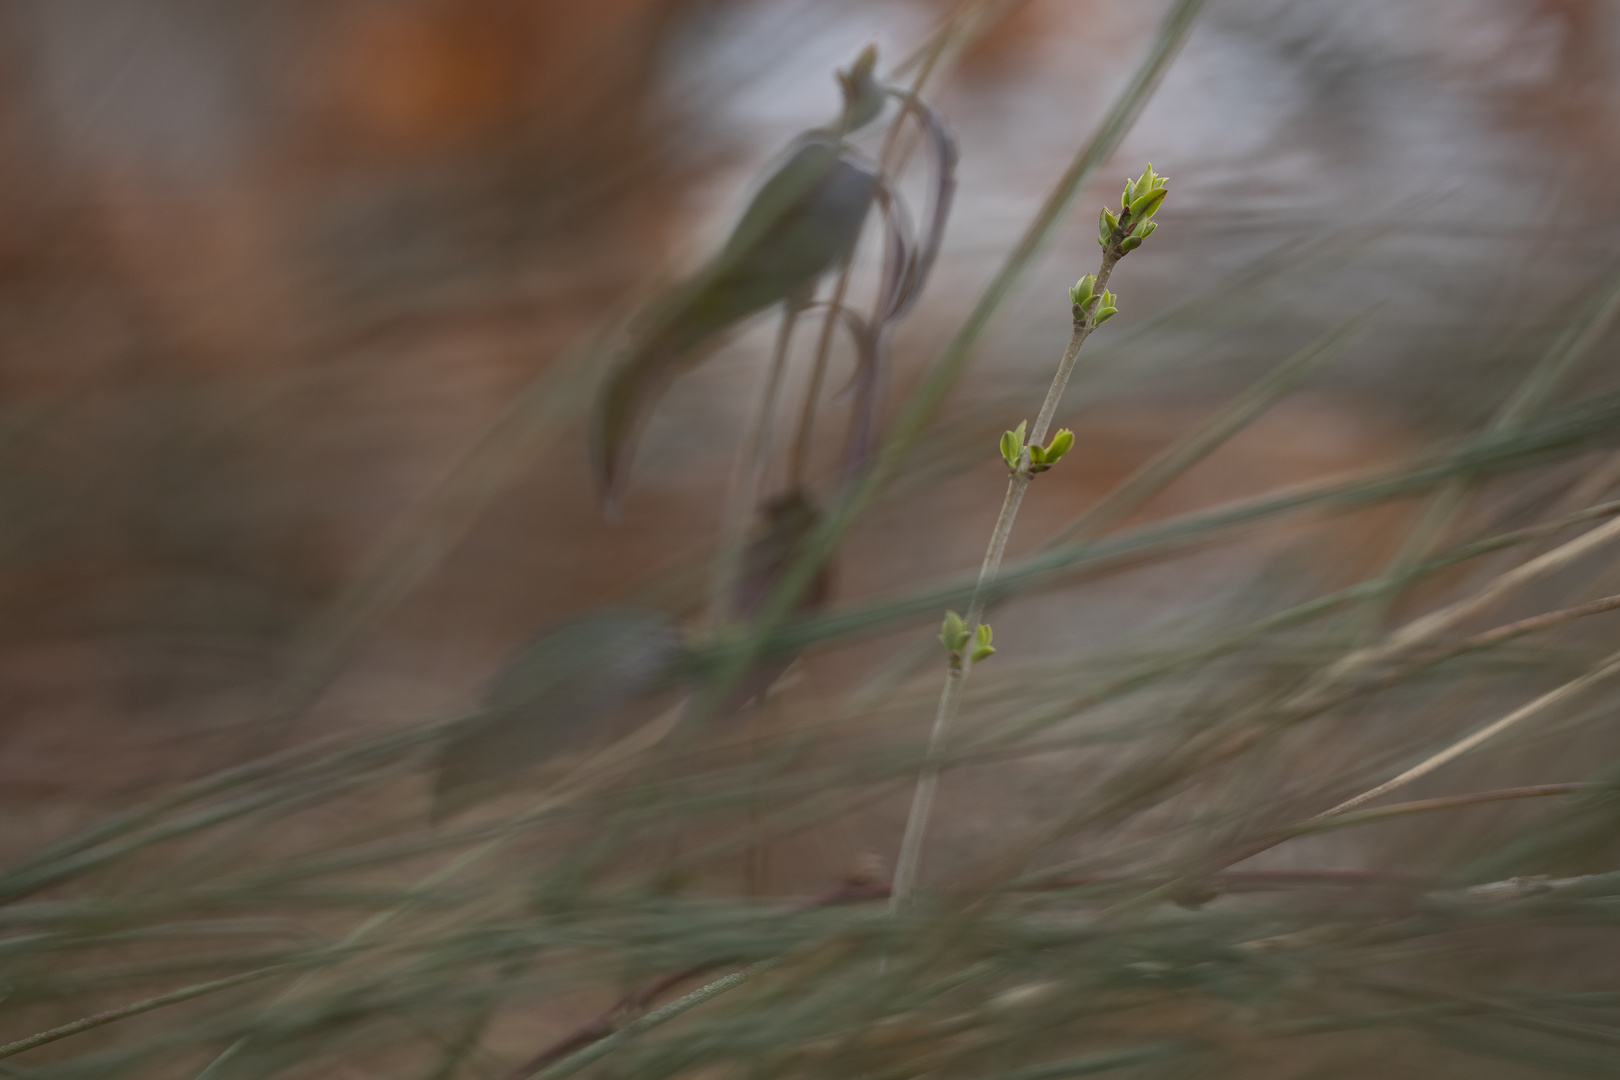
(417, 77)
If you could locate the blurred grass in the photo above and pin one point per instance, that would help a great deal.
(1096, 902)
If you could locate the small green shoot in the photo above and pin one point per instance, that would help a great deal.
(1082, 295)
(954, 635)
(981, 643)
(1041, 457)
(1012, 445)
(1123, 231)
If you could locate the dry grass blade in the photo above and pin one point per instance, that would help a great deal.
(1554, 368)
(1429, 626)
(1445, 802)
(1609, 667)
(1175, 460)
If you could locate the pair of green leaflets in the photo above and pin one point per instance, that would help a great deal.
(1041, 458)
(954, 636)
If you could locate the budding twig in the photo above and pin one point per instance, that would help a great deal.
(1092, 304)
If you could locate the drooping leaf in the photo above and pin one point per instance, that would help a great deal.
(805, 219)
(565, 686)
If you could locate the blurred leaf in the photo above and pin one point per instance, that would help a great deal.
(555, 692)
(805, 219)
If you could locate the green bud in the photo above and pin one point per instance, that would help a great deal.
(982, 647)
(1130, 243)
(1081, 293)
(1105, 310)
(1037, 455)
(1130, 193)
(1060, 445)
(1012, 445)
(1145, 205)
(953, 633)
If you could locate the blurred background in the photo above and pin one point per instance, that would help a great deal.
(271, 269)
(279, 279)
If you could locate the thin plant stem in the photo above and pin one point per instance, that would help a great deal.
(1082, 330)
(748, 478)
(799, 463)
(146, 1005)
(950, 698)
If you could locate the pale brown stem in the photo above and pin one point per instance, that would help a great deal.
(950, 698)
